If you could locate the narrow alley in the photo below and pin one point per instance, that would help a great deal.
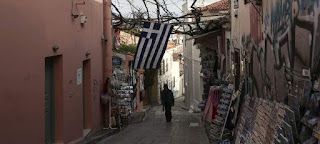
(185, 128)
(108, 72)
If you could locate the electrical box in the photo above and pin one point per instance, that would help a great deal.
(83, 19)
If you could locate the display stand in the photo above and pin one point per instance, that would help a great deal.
(125, 102)
(218, 124)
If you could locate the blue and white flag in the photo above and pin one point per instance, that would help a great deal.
(152, 45)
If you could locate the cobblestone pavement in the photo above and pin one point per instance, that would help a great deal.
(185, 128)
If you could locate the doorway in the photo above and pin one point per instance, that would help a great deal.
(86, 76)
(237, 67)
(49, 100)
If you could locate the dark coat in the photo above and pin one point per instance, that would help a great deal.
(167, 98)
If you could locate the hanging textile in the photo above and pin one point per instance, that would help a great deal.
(212, 104)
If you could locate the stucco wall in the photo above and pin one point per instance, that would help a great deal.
(192, 68)
(281, 43)
(239, 25)
(29, 29)
(175, 76)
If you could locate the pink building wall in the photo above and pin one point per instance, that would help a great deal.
(28, 30)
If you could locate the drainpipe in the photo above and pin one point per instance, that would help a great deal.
(107, 32)
(103, 38)
(107, 52)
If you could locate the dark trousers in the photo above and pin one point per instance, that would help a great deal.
(168, 113)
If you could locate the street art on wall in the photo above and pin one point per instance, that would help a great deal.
(282, 56)
(294, 24)
(290, 45)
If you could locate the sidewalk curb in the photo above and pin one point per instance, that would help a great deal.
(102, 136)
(145, 113)
(95, 139)
(98, 138)
(140, 118)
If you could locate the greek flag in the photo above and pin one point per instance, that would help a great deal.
(152, 45)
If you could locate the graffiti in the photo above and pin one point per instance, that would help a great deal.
(290, 44)
(96, 88)
(280, 30)
(307, 6)
(246, 42)
(266, 19)
(281, 16)
(291, 31)
(243, 40)
(316, 50)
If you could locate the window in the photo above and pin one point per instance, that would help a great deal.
(171, 59)
(167, 65)
(161, 86)
(162, 67)
(228, 62)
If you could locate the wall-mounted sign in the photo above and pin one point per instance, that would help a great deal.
(306, 72)
(116, 61)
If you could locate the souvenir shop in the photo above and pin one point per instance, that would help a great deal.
(221, 98)
(235, 114)
(126, 86)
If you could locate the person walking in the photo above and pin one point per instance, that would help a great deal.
(167, 101)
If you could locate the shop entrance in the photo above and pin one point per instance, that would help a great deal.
(237, 67)
(49, 100)
(86, 76)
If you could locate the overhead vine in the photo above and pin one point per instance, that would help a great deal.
(140, 15)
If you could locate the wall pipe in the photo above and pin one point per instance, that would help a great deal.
(107, 48)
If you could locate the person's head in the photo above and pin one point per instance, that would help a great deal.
(165, 86)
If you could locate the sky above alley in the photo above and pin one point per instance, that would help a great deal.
(174, 6)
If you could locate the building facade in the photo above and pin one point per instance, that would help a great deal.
(278, 46)
(169, 72)
(54, 65)
(192, 67)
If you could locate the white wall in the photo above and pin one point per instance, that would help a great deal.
(173, 73)
(192, 80)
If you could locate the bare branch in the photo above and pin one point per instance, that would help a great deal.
(158, 10)
(194, 2)
(144, 2)
(194, 27)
